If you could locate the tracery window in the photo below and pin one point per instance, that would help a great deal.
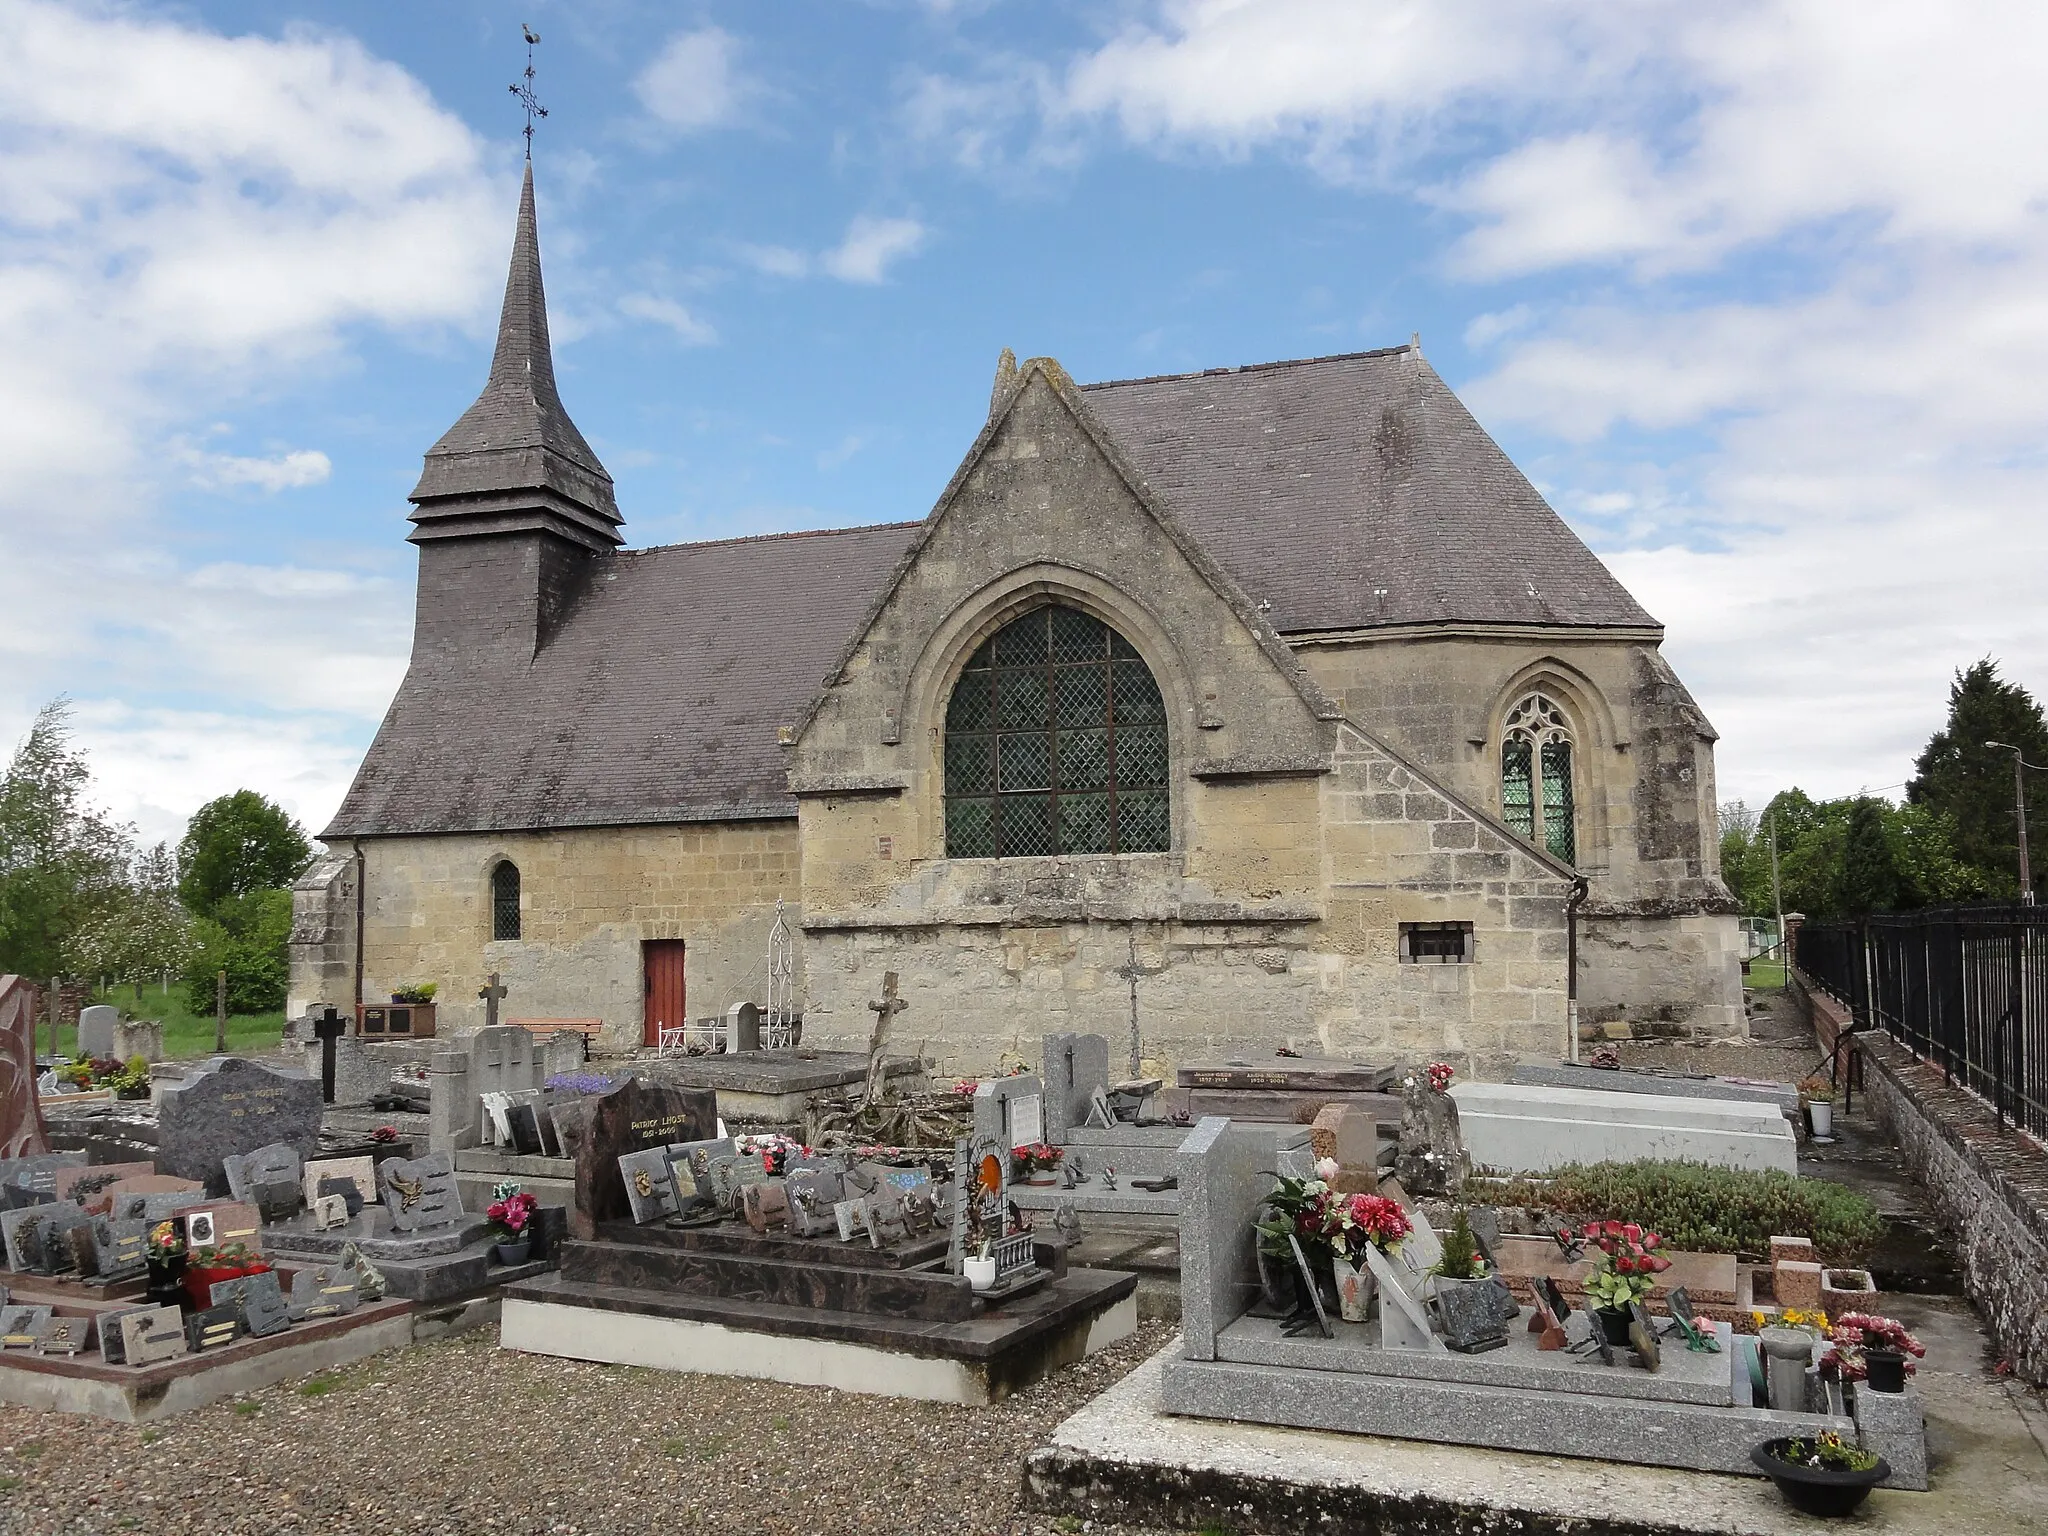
(1056, 744)
(1536, 776)
(505, 901)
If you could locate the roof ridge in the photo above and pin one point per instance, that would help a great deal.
(1285, 362)
(762, 538)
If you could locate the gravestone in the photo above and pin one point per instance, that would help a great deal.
(153, 1205)
(139, 1037)
(21, 1113)
(232, 1222)
(650, 1188)
(1074, 1067)
(215, 1328)
(1432, 1157)
(120, 1248)
(1471, 1317)
(632, 1117)
(523, 1120)
(420, 1193)
(326, 1290)
(108, 1325)
(353, 1178)
(96, 1027)
(258, 1299)
(1009, 1111)
(359, 1075)
(269, 1178)
(743, 1027)
(235, 1106)
(502, 1059)
(151, 1334)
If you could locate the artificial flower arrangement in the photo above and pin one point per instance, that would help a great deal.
(125, 1080)
(965, 1087)
(166, 1242)
(1036, 1157)
(1628, 1265)
(1856, 1335)
(1814, 1322)
(1327, 1223)
(384, 1135)
(1440, 1074)
(773, 1148)
(511, 1214)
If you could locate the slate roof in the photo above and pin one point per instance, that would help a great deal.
(657, 700)
(1357, 491)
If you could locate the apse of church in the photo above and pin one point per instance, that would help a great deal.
(1273, 698)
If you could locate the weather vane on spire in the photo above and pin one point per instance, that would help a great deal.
(524, 90)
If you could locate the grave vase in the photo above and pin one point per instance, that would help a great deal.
(1354, 1289)
(166, 1282)
(1613, 1322)
(515, 1252)
(1886, 1370)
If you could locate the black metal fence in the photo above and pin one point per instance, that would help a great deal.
(1965, 988)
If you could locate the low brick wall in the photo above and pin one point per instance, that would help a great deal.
(1830, 1017)
(1988, 1188)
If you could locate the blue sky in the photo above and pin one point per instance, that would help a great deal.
(1752, 299)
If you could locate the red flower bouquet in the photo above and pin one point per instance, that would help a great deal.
(1440, 1074)
(1857, 1335)
(1629, 1262)
(510, 1217)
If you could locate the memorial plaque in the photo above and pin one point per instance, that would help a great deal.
(1642, 1337)
(353, 1178)
(851, 1217)
(228, 1222)
(153, 1197)
(330, 1211)
(766, 1205)
(152, 1334)
(731, 1175)
(269, 1178)
(1403, 1323)
(38, 1173)
(1305, 1284)
(1027, 1119)
(108, 1326)
(1554, 1298)
(64, 1336)
(229, 1109)
(885, 1220)
(1699, 1340)
(21, 1326)
(420, 1193)
(1471, 1317)
(215, 1328)
(650, 1188)
(92, 1188)
(523, 1120)
(328, 1290)
(120, 1248)
(635, 1116)
(36, 1244)
(261, 1303)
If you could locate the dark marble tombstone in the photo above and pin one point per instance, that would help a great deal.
(420, 1193)
(633, 1117)
(259, 1300)
(21, 1113)
(1471, 1316)
(229, 1109)
(524, 1121)
(270, 1178)
(215, 1328)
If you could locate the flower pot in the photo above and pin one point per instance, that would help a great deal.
(1614, 1323)
(1886, 1370)
(166, 1286)
(513, 1252)
(1354, 1289)
(981, 1273)
(1817, 1490)
(1043, 1178)
(1820, 1115)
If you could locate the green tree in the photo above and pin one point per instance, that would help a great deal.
(63, 864)
(235, 845)
(247, 939)
(1870, 877)
(1970, 784)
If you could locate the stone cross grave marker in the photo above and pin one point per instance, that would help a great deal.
(151, 1334)
(233, 1107)
(258, 1299)
(492, 995)
(96, 1026)
(328, 1028)
(420, 1193)
(268, 1178)
(885, 1010)
(633, 1117)
(503, 1059)
(352, 1178)
(1403, 1323)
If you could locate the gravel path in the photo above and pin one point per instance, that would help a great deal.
(458, 1436)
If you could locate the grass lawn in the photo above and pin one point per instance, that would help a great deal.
(1764, 976)
(185, 1033)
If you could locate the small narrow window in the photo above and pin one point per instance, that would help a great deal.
(505, 901)
(1436, 943)
(1536, 797)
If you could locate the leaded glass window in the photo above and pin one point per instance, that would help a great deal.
(505, 901)
(1536, 776)
(1056, 744)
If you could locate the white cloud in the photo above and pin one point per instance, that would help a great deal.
(280, 472)
(694, 82)
(869, 248)
(689, 329)
(186, 219)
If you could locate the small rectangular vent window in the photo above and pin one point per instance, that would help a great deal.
(1436, 943)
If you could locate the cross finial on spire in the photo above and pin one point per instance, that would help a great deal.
(524, 90)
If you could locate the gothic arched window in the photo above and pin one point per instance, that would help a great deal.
(1056, 743)
(1536, 776)
(505, 901)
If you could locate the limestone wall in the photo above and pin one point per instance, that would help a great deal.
(589, 897)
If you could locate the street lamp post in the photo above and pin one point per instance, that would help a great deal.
(2019, 801)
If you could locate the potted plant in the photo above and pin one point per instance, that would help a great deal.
(980, 1267)
(1821, 1474)
(423, 992)
(1460, 1264)
(207, 1267)
(511, 1218)
(1625, 1272)
(1037, 1163)
(1875, 1350)
(1818, 1095)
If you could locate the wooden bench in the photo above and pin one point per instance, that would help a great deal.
(540, 1029)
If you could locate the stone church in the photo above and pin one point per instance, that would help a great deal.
(1265, 705)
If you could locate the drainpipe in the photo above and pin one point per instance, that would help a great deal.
(359, 924)
(1571, 962)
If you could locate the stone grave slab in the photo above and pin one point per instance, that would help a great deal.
(1529, 1128)
(650, 1188)
(420, 1193)
(234, 1106)
(92, 1187)
(215, 1328)
(259, 1300)
(37, 1173)
(328, 1176)
(268, 1178)
(324, 1290)
(35, 1237)
(633, 1117)
(151, 1334)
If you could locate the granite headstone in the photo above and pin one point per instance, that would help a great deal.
(632, 1117)
(234, 1106)
(96, 1027)
(420, 1193)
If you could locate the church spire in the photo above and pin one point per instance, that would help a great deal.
(515, 462)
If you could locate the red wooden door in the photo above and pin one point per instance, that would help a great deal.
(662, 960)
